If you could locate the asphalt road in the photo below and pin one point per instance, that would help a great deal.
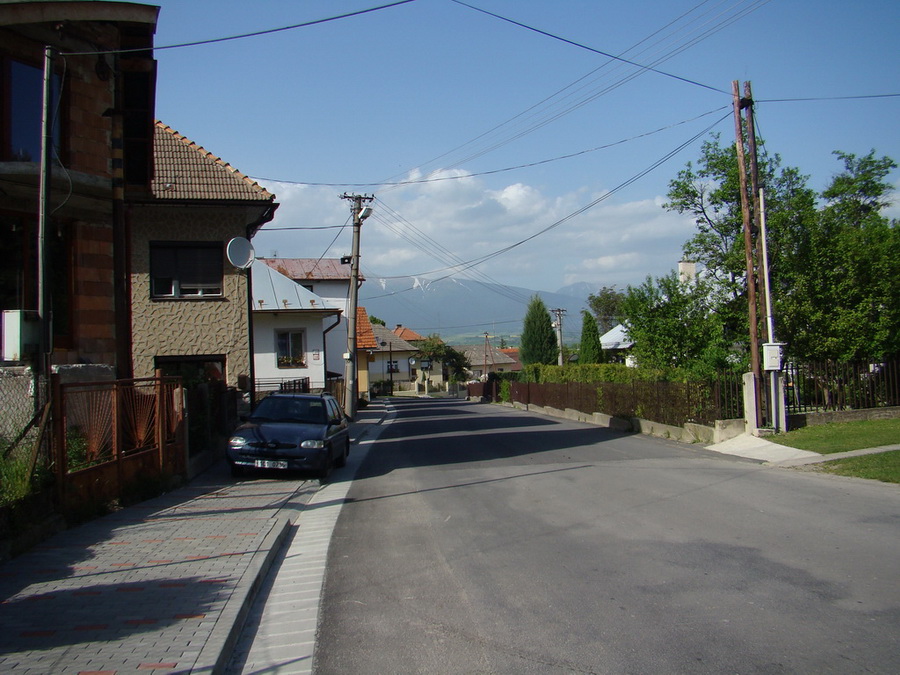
(482, 539)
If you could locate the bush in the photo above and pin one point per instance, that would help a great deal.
(599, 372)
(15, 481)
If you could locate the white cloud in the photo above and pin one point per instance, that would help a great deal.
(432, 226)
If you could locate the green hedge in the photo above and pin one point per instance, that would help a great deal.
(594, 372)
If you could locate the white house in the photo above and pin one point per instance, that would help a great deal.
(330, 281)
(616, 343)
(290, 325)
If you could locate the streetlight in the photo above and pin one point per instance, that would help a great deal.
(390, 362)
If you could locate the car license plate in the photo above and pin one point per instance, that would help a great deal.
(270, 464)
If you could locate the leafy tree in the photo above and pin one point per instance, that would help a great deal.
(844, 301)
(674, 325)
(590, 351)
(711, 193)
(605, 306)
(434, 349)
(538, 342)
(376, 320)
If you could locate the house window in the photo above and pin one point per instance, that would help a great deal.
(186, 270)
(21, 102)
(291, 352)
(393, 367)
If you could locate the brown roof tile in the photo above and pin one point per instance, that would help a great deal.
(407, 333)
(184, 170)
(365, 336)
(323, 269)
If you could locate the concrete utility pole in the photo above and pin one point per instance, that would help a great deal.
(560, 313)
(45, 339)
(360, 213)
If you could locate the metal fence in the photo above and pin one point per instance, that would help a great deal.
(827, 385)
(675, 403)
(24, 416)
(110, 436)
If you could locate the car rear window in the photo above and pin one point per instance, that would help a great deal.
(300, 410)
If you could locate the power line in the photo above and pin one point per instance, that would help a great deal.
(482, 259)
(591, 49)
(268, 31)
(827, 98)
(718, 21)
(489, 172)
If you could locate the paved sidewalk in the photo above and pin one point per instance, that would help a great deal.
(163, 586)
(754, 447)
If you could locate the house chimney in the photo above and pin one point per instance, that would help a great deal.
(687, 271)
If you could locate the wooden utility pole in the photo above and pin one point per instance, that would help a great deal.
(739, 105)
(757, 202)
(351, 394)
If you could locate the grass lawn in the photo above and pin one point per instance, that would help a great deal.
(884, 466)
(842, 436)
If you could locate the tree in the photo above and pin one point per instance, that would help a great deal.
(674, 324)
(538, 343)
(711, 193)
(591, 351)
(844, 301)
(605, 306)
(434, 349)
(375, 320)
(832, 267)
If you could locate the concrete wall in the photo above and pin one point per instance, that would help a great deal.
(265, 325)
(190, 327)
(812, 419)
(690, 433)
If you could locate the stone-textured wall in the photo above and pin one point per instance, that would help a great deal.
(188, 327)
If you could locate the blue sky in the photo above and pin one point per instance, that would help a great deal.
(435, 89)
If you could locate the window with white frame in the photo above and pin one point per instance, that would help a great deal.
(392, 367)
(290, 348)
(186, 269)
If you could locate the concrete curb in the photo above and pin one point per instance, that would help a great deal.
(820, 459)
(216, 653)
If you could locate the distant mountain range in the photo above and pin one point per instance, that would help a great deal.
(461, 310)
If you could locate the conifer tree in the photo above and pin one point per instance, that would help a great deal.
(591, 350)
(538, 339)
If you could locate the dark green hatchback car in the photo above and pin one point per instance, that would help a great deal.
(302, 432)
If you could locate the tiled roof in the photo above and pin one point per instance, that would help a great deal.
(365, 337)
(326, 269)
(406, 333)
(476, 355)
(394, 342)
(184, 170)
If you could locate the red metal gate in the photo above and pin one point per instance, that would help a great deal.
(109, 437)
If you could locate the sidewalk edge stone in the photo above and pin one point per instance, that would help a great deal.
(217, 651)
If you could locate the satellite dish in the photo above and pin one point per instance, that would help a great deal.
(240, 253)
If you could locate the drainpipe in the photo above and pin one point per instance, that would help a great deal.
(252, 229)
